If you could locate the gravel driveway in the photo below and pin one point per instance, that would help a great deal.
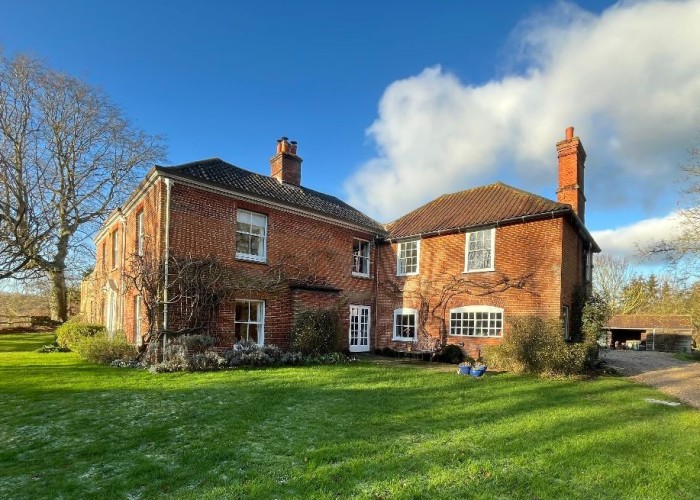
(659, 369)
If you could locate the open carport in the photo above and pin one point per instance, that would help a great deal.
(650, 332)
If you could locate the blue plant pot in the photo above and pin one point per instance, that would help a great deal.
(464, 370)
(478, 372)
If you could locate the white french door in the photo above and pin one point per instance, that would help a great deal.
(359, 328)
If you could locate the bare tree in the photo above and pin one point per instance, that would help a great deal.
(682, 252)
(68, 156)
(612, 276)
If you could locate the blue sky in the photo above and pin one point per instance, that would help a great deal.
(394, 103)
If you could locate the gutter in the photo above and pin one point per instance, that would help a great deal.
(463, 229)
(505, 222)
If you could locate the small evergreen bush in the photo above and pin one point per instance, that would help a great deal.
(451, 354)
(100, 349)
(70, 333)
(317, 331)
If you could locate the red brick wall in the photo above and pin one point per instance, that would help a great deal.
(152, 206)
(203, 224)
(532, 248)
(573, 264)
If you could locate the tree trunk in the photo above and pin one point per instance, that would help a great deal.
(58, 305)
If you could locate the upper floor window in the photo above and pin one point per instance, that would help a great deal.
(479, 251)
(139, 233)
(115, 249)
(251, 236)
(588, 266)
(476, 321)
(407, 257)
(360, 257)
(405, 324)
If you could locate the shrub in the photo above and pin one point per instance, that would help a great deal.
(317, 332)
(536, 345)
(247, 353)
(196, 343)
(70, 333)
(206, 361)
(451, 354)
(333, 358)
(52, 348)
(100, 349)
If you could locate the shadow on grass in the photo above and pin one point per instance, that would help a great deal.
(76, 430)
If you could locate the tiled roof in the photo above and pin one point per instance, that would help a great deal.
(646, 321)
(471, 208)
(219, 173)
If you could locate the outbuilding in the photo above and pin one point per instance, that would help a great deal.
(653, 332)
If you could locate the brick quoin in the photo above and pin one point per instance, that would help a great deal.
(551, 251)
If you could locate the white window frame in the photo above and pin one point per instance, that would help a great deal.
(474, 310)
(115, 248)
(138, 320)
(355, 333)
(565, 321)
(399, 248)
(358, 257)
(261, 316)
(240, 213)
(139, 233)
(492, 234)
(405, 311)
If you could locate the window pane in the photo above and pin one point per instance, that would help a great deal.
(243, 243)
(241, 331)
(258, 220)
(243, 227)
(255, 245)
(253, 333)
(241, 311)
(254, 309)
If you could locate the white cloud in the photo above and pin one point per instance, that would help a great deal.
(628, 79)
(627, 241)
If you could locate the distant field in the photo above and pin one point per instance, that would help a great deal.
(70, 429)
(17, 304)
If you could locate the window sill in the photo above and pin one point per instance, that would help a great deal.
(407, 341)
(407, 274)
(475, 336)
(244, 258)
(360, 275)
(472, 271)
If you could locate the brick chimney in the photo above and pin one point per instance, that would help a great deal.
(285, 166)
(572, 158)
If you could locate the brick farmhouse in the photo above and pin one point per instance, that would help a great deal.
(450, 272)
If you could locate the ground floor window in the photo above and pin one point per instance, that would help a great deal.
(405, 324)
(476, 321)
(249, 321)
(138, 320)
(565, 321)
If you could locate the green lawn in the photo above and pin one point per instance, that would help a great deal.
(70, 429)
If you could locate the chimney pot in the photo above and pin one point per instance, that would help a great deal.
(569, 133)
(285, 166)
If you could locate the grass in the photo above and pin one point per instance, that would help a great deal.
(685, 356)
(72, 429)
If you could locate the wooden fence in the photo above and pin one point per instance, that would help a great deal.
(16, 322)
